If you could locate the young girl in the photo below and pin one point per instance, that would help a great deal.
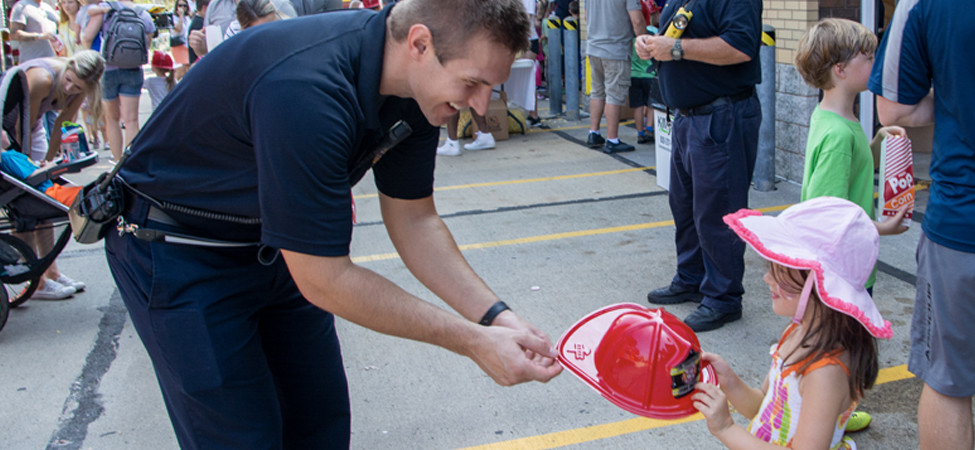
(827, 357)
(165, 79)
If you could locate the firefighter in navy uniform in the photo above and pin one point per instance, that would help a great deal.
(257, 150)
(708, 69)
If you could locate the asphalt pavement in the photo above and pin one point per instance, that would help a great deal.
(555, 228)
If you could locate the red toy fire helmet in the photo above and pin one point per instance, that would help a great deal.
(645, 361)
(162, 60)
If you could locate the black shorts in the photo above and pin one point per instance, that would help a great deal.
(533, 46)
(640, 91)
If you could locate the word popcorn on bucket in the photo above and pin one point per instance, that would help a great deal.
(897, 176)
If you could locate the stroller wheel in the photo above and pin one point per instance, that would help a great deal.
(4, 308)
(15, 255)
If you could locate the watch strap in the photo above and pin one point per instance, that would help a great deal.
(493, 312)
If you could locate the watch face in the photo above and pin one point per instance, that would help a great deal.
(677, 53)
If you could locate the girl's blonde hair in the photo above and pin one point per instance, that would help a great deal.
(64, 15)
(831, 331)
(88, 66)
(830, 42)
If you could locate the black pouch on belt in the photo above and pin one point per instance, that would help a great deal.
(96, 208)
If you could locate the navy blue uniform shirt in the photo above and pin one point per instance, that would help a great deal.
(686, 84)
(271, 123)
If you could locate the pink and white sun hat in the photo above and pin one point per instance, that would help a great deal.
(832, 237)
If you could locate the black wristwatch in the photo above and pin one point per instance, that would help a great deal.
(677, 52)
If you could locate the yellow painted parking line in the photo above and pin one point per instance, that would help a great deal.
(529, 180)
(608, 430)
(548, 237)
(541, 179)
(573, 127)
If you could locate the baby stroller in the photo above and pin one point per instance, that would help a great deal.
(24, 208)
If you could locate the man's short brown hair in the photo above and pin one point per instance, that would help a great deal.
(453, 23)
(830, 42)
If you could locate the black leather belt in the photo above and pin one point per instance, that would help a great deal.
(708, 108)
(172, 230)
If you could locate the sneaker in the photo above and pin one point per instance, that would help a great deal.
(534, 122)
(595, 140)
(52, 290)
(644, 138)
(449, 148)
(483, 141)
(68, 281)
(858, 421)
(617, 147)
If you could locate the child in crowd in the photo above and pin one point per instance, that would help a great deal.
(836, 55)
(641, 85)
(827, 357)
(165, 79)
(21, 167)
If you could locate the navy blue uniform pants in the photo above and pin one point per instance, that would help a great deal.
(242, 359)
(710, 173)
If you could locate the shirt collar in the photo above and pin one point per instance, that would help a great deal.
(371, 68)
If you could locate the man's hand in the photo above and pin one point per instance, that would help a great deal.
(654, 47)
(198, 41)
(514, 355)
(511, 320)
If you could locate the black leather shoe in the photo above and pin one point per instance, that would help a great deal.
(618, 147)
(706, 319)
(595, 140)
(674, 294)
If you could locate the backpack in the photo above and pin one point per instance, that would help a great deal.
(124, 42)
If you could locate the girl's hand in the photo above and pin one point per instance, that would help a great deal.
(712, 403)
(721, 367)
(893, 225)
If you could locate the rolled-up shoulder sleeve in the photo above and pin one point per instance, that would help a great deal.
(902, 69)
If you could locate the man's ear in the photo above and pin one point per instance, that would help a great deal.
(420, 41)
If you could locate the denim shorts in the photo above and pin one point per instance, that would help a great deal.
(124, 82)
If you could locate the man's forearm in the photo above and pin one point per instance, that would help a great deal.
(712, 50)
(428, 249)
(25, 36)
(890, 112)
(363, 297)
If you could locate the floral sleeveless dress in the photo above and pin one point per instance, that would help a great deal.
(778, 416)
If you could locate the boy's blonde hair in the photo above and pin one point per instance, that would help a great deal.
(830, 42)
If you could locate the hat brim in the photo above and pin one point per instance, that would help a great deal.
(586, 335)
(774, 241)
